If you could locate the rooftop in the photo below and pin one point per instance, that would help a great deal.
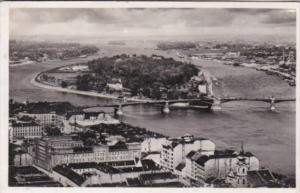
(180, 166)
(30, 176)
(191, 154)
(104, 167)
(82, 149)
(119, 146)
(185, 139)
(149, 164)
(261, 178)
(134, 182)
(69, 173)
(24, 124)
(157, 176)
(121, 163)
(218, 155)
(129, 132)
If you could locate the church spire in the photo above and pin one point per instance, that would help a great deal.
(242, 147)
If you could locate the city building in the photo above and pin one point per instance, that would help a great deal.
(201, 167)
(115, 85)
(24, 130)
(231, 55)
(47, 147)
(52, 151)
(82, 121)
(43, 117)
(159, 179)
(153, 144)
(47, 113)
(252, 178)
(238, 178)
(92, 173)
(22, 159)
(31, 177)
(175, 150)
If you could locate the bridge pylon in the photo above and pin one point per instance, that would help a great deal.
(119, 110)
(217, 105)
(272, 104)
(166, 109)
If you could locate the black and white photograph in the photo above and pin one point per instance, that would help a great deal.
(148, 96)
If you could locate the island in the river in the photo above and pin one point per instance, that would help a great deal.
(132, 76)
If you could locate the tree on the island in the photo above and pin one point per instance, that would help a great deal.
(236, 64)
(83, 82)
(64, 84)
(139, 74)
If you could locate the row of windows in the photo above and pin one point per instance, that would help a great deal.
(120, 152)
(91, 157)
(26, 129)
(120, 158)
(85, 159)
(27, 134)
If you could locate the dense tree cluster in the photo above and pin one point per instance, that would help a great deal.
(149, 76)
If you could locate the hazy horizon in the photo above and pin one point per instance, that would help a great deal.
(152, 23)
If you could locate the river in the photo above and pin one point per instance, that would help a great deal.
(268, 135)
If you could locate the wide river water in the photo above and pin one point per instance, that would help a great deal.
(268, 135)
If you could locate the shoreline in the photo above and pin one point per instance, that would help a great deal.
(40, 84)
(37, 82)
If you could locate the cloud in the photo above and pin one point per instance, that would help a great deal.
(249, 11)
(150, 21)
(282, 17)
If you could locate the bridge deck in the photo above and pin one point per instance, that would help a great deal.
(205, 100)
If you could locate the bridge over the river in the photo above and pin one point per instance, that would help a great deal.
(207, 102)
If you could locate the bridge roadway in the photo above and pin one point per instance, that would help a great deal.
(210, 101)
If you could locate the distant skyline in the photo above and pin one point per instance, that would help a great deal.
(151, 22)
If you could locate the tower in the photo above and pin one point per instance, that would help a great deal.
(241, 173)
(242, 147)
(230, 178)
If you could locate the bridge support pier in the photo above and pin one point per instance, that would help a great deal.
(272, 106)
(166, 109)
(216, 106)
(272, 103)
(119, 111)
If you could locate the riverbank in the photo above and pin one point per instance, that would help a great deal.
(37, 82)
(56, 79)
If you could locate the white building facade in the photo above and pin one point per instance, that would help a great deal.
(65, 151)
(174, 151)
(202, 167)
(25, 130)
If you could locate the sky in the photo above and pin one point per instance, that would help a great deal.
(121, 22)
